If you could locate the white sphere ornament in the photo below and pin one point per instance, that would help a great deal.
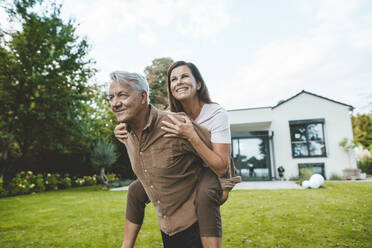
(316, 181)
(306, 184)
(319, 178)
(314, 184)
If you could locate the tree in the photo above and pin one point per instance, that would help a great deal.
(44, 71)
(97, 118)
(103, 155)
(362, 129)
(156, 75)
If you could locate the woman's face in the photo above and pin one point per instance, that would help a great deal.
(183, 84)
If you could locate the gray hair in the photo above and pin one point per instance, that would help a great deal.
(135, 80)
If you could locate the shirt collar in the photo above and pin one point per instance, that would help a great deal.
(150, 122)
(152, 118)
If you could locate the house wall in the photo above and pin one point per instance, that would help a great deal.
(337, 125)
(247, 116)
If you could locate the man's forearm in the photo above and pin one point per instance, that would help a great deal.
(131, 231)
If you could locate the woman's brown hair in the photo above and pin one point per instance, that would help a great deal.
(203, 93)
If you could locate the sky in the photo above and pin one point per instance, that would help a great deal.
(251, 53)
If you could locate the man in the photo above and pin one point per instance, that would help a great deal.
(168, 168)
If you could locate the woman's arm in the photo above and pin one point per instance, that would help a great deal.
(217, 158)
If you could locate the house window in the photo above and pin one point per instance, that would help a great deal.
(315, 168)
(307, 138)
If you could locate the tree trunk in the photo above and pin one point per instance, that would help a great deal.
(104, 177)
(3, 168)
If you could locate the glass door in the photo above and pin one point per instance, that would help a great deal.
(251, 158)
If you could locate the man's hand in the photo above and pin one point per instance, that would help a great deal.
(121, 132)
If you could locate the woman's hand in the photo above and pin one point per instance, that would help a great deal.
(121, 132)
(179, 129)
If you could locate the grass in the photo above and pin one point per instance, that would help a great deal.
(339, 215)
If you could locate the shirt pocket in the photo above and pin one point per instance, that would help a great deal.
(165, 154)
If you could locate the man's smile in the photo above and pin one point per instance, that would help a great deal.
(119, 110)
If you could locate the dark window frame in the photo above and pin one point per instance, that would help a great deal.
(305, 123)
(251, 135)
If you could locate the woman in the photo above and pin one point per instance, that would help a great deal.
(188, 93)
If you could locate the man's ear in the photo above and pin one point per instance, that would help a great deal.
(198, 86)
(144, 97)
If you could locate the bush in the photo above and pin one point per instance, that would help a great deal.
(90, 180)
(104, 155)
(51, 181)
(78, 182)
(112, 177)
(365, 165)
(66, 182)
(38, 181)
(293, 178)
(19, 185)
(3, 192)
(27, 182)
(305, 174)
(335, 177)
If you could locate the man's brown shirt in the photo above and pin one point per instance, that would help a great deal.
(169, 169)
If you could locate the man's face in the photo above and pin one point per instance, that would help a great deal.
(126, 102)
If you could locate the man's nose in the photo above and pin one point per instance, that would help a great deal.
(115, 102)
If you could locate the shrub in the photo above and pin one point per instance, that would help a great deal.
(78, 182)
(294, 178)
(27, 182)
(365, 165)
(90, 180)
(112, 177)
(335, 177)
(66, 183)
(104, 155)
(38, 181)
(19, 185)
(51, 181)
(305, 174)
(3, 192)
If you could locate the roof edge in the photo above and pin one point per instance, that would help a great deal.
(230, 110)
(310, 93)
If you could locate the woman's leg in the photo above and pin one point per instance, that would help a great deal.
(136, 203)
(207, 203)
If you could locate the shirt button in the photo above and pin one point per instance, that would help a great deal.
(158, 201)
(151, 186)
(164, 216)
(145, 170)
(140, 153)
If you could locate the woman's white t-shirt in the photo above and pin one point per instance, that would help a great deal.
(214, 118)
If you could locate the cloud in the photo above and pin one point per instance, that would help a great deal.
(101, 18)
(337, 10)
(148, 38)
(330, 59)
(206, 18)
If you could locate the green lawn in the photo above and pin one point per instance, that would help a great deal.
(339, 215)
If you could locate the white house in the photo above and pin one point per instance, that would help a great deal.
(302, 131)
